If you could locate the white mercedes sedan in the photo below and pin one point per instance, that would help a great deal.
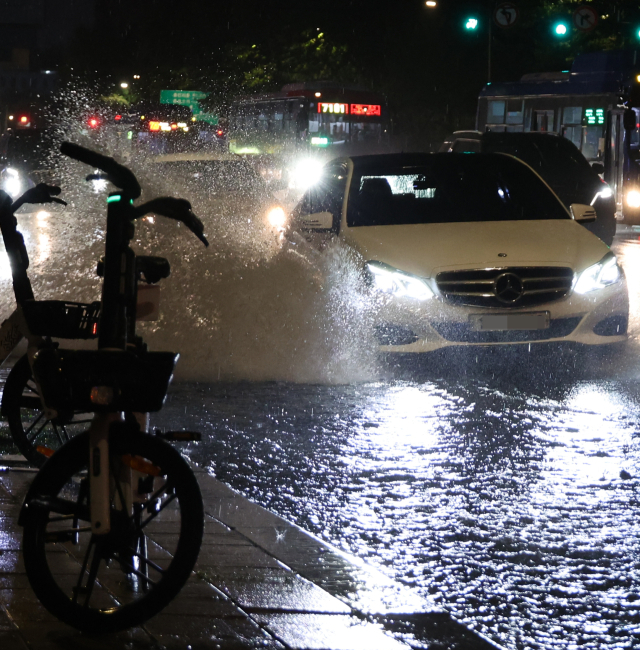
(468, 250)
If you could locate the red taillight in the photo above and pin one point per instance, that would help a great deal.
(174, 126)
(93, 122)
(154, 126)
(94, 329)
(117, 118)
(24, 120)
(220, 132)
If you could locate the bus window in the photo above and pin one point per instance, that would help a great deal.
(515, 112)
(495, 112)
(542, 121)
(573, 133)
(592, 142)
(572, 115)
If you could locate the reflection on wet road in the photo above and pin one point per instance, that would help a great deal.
(504, 503)
(503, 484)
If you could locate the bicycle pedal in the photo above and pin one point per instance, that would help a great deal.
(180, 436)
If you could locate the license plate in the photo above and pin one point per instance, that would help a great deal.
(501, 322)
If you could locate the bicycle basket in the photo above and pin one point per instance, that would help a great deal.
(61, 319)
(104, 380)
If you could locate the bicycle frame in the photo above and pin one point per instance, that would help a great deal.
(116, 332)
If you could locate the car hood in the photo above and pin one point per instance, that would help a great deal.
(427, 249)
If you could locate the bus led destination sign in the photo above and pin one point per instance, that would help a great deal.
(349, 109)
(593, 116)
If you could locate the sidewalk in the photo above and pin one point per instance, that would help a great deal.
(260, 582)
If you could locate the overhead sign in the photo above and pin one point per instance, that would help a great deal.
(349, 109)
(505, 15)
(190, 98)
(585, 18)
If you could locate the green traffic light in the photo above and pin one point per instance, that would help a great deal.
(560, 29)
(471, 24)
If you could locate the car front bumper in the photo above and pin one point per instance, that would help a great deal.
(598, 318)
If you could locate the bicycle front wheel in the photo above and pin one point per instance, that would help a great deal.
(106, 583)
(33, 434)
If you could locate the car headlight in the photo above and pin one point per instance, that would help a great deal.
(603, 274)
(633, 198)
(398, 283)
(306, 173)
(11, 183)
(277, 218)
(604, 193)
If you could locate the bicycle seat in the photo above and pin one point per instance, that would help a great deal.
(152, 269)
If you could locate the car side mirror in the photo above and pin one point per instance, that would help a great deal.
(597, 167)
(583, 213)
(316, 221)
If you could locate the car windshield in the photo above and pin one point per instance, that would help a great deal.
(448, 188)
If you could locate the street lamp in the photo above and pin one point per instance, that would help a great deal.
(124, 84)
(431, 3)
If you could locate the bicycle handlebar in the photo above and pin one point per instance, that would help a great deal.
(177, 209)
(41, 193)
(117, 174)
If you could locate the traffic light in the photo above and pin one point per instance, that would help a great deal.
(471, 23)
(560, 29)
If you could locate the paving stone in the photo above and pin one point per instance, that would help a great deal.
(282, 590)
(260, 582)
(328, 632)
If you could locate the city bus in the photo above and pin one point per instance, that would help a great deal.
(595, 104)
(317, 120)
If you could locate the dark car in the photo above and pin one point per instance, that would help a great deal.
(558, 161)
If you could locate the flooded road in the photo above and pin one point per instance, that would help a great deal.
(502, 485)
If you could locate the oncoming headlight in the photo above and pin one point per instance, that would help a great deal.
(598, 276)
(398, 283)
(11, 183)
(633, 198)
(306, 173)
(277, 218)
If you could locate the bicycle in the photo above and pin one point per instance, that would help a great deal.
(113, 521)
(33, 431)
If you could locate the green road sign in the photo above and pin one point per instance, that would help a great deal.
(190, 98)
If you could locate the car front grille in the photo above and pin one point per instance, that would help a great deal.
(519, 286)
(463, 332)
